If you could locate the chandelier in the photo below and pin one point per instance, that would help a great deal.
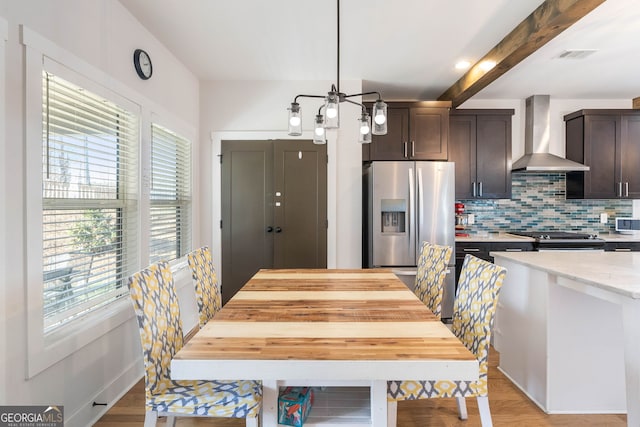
(328, 116)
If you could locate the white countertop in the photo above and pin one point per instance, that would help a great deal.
(617, 272)
(508, 237)
(493, 237)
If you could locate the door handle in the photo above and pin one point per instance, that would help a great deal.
(473, 189)
(413, 149)
(269, 229)
(620, 189)
(480, 188)
(404, 147)
(278, 230)
(626, 189)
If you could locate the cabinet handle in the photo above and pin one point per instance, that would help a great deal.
(474, 189)
(622, 250)
(480, 187)
(626, 189)
(620, 189)
(471, 249)
(413, 148)
(513, 250)
(404, 147)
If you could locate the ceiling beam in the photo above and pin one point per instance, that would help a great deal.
(550, 19)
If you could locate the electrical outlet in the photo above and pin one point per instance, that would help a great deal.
(604, 218)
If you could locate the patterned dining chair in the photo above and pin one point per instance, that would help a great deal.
(432, 269)
(208, 294)
(156, 306)
(473, 314)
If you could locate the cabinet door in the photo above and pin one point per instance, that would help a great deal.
(429, 133)
(493, 156)
(393, 145)
(602, 153)
(462, 151)
(630, 157)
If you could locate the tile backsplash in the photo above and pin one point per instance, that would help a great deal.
(538, 203)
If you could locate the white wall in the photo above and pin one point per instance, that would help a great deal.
(102, 34)
(258, 110)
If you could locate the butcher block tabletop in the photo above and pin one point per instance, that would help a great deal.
(324, 315)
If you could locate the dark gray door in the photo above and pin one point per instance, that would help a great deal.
(300, 210)
(274, 204)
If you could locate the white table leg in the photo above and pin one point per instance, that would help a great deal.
(269, 403)
(378, 403)
(631, 327)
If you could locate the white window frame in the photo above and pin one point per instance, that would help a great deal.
(4, 33)
(46, 349)
(187, 202)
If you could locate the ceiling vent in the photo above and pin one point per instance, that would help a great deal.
(576, 53)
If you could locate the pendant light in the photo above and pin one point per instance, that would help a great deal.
(328, 116)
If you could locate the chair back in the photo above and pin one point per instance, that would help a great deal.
(156, 306)
(208, 295)
(432, 269)
(474, 310)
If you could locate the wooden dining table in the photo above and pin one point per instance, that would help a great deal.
(324, 328)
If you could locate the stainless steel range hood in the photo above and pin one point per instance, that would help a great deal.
(536, 141)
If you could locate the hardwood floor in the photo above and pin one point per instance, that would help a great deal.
(509, 407)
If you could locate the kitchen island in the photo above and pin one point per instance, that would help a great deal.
(568, 330)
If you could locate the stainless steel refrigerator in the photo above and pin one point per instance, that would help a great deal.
(406, 203)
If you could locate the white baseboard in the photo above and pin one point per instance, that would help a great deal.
(88, 415)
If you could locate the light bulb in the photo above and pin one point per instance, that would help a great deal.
(380, 118)
(364, 128)
(294, 121)
(319, 131)
(332, 111)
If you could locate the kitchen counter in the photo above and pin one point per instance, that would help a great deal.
(493, 237)
(567, 329)
(619, 237)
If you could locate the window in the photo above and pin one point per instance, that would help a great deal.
(170, 195)
(89, 169)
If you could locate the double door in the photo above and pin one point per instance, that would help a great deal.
(274, 208)
(608, 141)
(415, 131)
(480, 146)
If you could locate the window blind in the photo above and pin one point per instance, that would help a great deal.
(89, 170)
(170, 195)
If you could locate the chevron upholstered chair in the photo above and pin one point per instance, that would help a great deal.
(208, 294)
(158, 313)
(432, 269)
(473, 314)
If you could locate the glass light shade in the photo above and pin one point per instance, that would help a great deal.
(364, 124)
(332, 111)
(318, 131)
(380, 118)
(295, 120)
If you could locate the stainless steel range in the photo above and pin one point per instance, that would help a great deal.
(560, 240)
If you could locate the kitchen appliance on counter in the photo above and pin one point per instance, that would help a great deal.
(560, 240)
(627, 225)
(462, 220)
(406, 203)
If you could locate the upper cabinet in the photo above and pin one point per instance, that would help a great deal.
(608, 141)
(415, 131)
(480, 146)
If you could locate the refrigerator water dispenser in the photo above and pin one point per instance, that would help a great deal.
(393, 215)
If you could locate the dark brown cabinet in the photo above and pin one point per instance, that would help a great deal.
(482, 250)
(608, 141)
(480, 146)
(415, 131)
(622, 247)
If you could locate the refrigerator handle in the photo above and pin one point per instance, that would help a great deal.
(412, 204)
(420, 198)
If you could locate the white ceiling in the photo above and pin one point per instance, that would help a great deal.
(406, 49)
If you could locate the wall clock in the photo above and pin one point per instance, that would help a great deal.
(142, 62)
